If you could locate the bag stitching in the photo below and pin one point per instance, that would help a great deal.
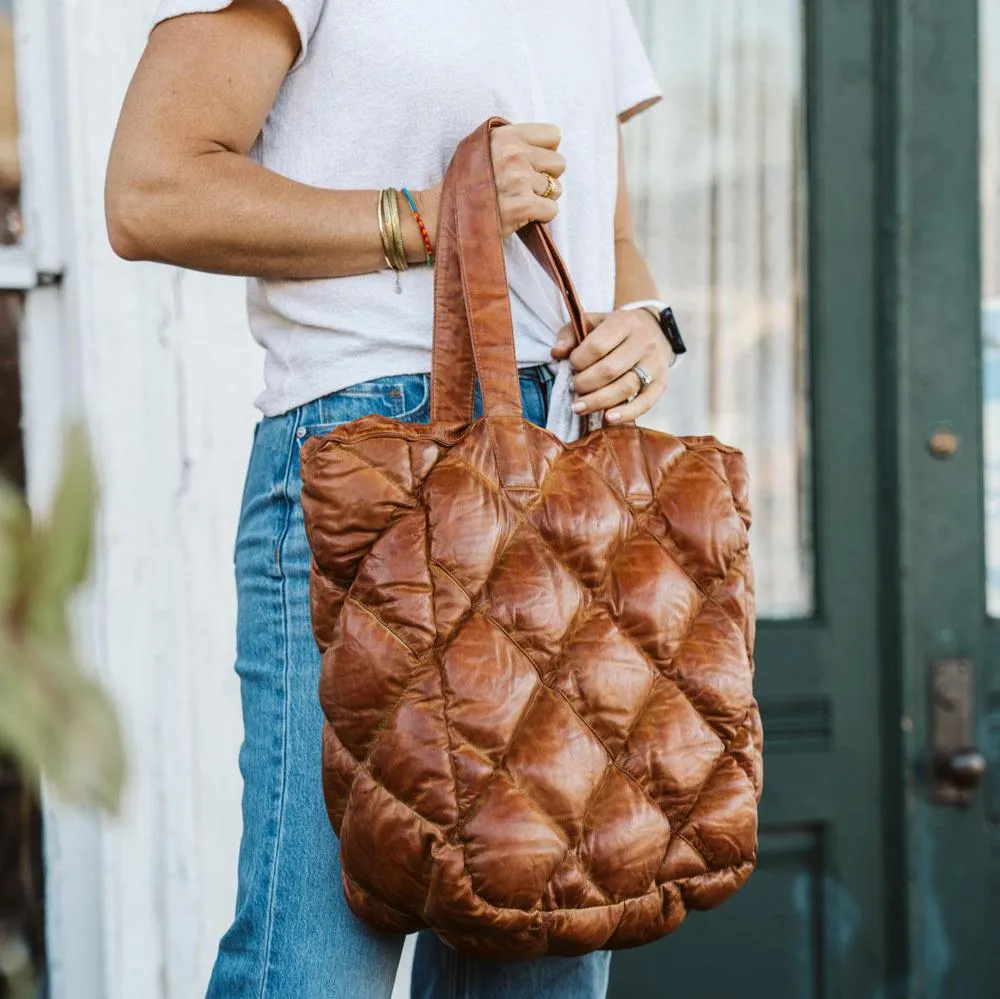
(441, 677)
(350, 598)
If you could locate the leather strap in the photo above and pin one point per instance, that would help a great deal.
(473, 328)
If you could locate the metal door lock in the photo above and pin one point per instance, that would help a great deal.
(957, 767)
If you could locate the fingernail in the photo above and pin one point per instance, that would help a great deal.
(614, 417)
(578, 407)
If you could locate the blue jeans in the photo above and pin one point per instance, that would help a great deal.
(293, 936)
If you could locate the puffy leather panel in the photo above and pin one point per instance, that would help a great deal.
(541, 732)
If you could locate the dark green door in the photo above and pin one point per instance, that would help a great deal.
(809, 196)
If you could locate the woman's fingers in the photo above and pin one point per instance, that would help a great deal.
(536, 133)
(607, 331)
(628, 412)
(618, 391)
(605, 365)
(522, 156)
(565, 342)
(547, 161)
(612, 366)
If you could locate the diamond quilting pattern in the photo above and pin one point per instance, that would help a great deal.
(625, 839)
(490, 684)
(604, 677)
(699, 521)
(584, 538)
(712, 668)
(394, 582)
(476, 520)
(503, 872)
(554, 758)
(653, 599)
(672, 751)
(533, 597)
(541, 728)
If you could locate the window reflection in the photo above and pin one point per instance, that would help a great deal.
(717, 177)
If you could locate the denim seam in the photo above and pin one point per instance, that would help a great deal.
(286, 640)
(279, 541)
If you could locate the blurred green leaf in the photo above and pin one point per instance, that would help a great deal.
(55, 718)
(59, 722)
(15, 539)
(61, 549)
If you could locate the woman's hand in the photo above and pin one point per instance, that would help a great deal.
(522, 156)
(604, 376)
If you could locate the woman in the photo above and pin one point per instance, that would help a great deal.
(255, 139)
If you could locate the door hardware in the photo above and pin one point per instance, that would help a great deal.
(943, 444)
(957, 767)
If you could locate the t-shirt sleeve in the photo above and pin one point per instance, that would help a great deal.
(305, 14)
(636, 86)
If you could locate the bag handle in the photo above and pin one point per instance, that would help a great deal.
(473, 327)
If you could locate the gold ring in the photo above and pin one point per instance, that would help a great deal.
(551, 187)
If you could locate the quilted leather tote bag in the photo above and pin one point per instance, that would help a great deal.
(537, 672)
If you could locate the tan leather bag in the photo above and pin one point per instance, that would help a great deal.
(537, 658)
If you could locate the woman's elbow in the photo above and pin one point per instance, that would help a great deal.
(124, 229)
(133, 200)
(125, 215)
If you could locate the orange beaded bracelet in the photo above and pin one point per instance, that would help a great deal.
(428, 246)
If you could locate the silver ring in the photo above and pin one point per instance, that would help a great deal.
(645, 378)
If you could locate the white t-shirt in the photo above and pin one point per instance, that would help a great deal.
(380, 96)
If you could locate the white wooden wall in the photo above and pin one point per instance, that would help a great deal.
(163, 370)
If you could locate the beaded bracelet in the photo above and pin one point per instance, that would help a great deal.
(428, 246)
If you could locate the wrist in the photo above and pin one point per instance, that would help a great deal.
(644, 314)
(663, 315)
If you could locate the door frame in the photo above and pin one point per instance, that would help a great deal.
(931, 310)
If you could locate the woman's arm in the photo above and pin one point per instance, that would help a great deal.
(633, 281)
(604, 362)
(181, 189)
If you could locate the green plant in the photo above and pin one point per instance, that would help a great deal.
(56, 720)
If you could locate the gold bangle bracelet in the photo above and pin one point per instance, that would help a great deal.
(386, 232)
(395, 228)
(382, 231)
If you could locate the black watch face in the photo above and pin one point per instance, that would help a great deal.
(672, 331)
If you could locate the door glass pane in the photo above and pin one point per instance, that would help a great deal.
(990, 174)
(717, 181)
